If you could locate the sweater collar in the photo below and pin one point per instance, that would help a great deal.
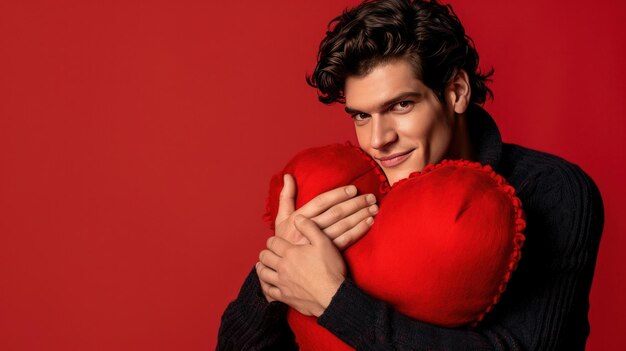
(484, 136)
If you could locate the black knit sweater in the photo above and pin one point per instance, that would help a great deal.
(546, 302)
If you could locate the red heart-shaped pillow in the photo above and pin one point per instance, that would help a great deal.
(441, 249)
(451, 235)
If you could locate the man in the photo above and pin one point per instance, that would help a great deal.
(409, 78)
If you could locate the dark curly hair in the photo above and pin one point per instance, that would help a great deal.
(426, 33)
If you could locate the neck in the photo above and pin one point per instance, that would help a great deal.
(461, 146)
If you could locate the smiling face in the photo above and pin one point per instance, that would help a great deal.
(400, 122)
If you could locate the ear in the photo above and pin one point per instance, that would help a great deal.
(459, 92)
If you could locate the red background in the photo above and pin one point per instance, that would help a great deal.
(137, 140)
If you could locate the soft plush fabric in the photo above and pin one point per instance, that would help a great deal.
(317, 170)
(441, 249)
(443, 244)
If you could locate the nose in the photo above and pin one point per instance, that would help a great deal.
(383, 132)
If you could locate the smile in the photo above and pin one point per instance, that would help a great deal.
(394, 160)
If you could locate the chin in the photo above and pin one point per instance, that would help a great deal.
(402, 171)
(394, 176)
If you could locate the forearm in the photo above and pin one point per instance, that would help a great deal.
(544, 308)
(251, 323)
(366, 323)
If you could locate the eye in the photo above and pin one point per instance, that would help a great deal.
(360, 116)
(403, 106)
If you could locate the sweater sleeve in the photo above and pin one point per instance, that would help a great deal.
(546, 303)
(251, 323)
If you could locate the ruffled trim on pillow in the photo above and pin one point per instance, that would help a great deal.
(518, 215)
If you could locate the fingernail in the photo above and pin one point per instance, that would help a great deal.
(369, 221)
(373, 209)
(371, 199)
(351, 190)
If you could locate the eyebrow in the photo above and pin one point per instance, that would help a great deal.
(389, 102)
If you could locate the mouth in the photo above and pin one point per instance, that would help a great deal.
(395, 159)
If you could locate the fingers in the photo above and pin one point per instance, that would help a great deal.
(353, 235)
(310, 230)
(287, 200)
(274, 292)
(327, 200)
(269, 259)
(271, 292)
(278, 245)
(344, 209)
(348, 223)
(266, 275)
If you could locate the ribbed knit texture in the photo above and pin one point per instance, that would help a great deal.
(251, 323)
(546, 302)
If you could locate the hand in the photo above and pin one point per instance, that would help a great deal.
(343, 217)
(304, 276)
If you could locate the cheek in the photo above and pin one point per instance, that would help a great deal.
(417, 129)
(444, 130)
(362, 136)
(431, 135)
(439, 137)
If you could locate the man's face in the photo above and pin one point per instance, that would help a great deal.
(398, 120)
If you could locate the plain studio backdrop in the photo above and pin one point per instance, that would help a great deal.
(137, 140)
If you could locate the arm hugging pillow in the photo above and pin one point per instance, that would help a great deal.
(442, 247)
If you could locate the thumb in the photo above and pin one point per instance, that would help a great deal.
(310, 230)
(287, 200)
